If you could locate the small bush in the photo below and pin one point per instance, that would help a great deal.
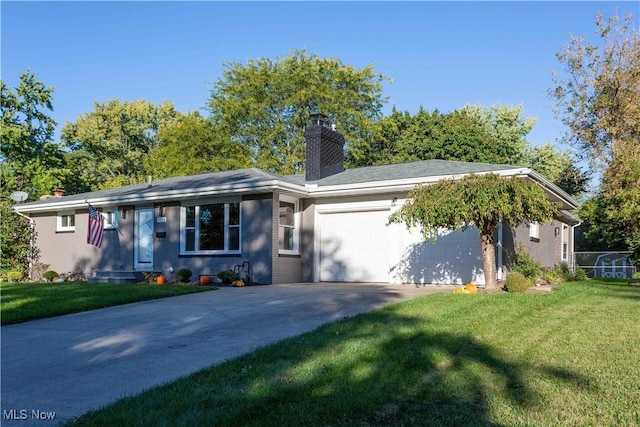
(14, 276)
(526, 265)
(581, 275)
(636, 275)
(227, 276)
(50, 275)
(517, 282)
(184, 275)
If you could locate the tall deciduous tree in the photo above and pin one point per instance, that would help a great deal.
(598, 97)
(30, 160)
(265, 105)
(116, 137)
(193, 145)
(597, 93)
(480, 200)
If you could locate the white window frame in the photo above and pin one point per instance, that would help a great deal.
(534, 231)
(65, 228)
(227, 227)
(111, 217)
(296, 225)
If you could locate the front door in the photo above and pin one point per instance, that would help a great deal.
(144, 239)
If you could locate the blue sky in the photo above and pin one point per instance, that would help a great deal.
(439, 55)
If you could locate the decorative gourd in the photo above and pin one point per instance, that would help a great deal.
(238, 283)
(471, 288)
(161, 280)
(205, 280)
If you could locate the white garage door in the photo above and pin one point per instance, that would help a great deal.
(354, 247)
(359, 247)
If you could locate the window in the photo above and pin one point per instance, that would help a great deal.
(534, 231)
(288, 226)
(66, 221)
(210, 229)
(110, 216)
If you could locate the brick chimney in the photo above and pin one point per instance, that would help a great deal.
(58, 192)
(325, 149)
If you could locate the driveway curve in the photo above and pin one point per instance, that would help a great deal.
(64, 366)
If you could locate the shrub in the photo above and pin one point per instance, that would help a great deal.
(14, 276)
(50, 275)
(184, 275)
(581, 275)
(517, 282)
(526, 265)
(227, 276)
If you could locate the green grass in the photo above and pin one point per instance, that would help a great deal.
(569, 358)
(20, 302)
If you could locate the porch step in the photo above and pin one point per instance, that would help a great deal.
(115, 276)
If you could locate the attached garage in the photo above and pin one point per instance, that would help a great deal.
(358, 246)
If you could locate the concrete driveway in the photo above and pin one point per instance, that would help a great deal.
(66, 365)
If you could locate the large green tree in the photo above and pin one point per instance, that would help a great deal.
(193, 145)
(265, 105)
(597, 95)
(116, 137)
(480, 200)
(457, 135)
(29, 158)
(29, 161)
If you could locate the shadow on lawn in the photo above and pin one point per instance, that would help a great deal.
(404, 375)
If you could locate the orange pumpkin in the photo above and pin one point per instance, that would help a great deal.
(471, 288)
(205, 280)
(161, 280)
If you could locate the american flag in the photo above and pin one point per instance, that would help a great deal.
(95, 229)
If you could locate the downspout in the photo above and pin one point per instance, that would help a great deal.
(573, 246)
(32, 227)
(499, 246)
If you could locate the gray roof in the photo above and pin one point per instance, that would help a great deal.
(240, 177)
(421, 169)
(253, 179)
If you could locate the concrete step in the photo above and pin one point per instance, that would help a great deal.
(115, 276)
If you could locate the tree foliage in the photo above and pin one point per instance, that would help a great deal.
(265, 105)
(598, 99)
(597, 94)
(480, 200)
(558, 167)
(507, 128)
(30, 160)
(460, 135)
(115, 138)
(193, 145)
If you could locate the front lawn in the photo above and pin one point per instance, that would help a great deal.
(571, 357)
(20, 302)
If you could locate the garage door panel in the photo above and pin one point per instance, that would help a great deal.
(354, 247)
(454, 258)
